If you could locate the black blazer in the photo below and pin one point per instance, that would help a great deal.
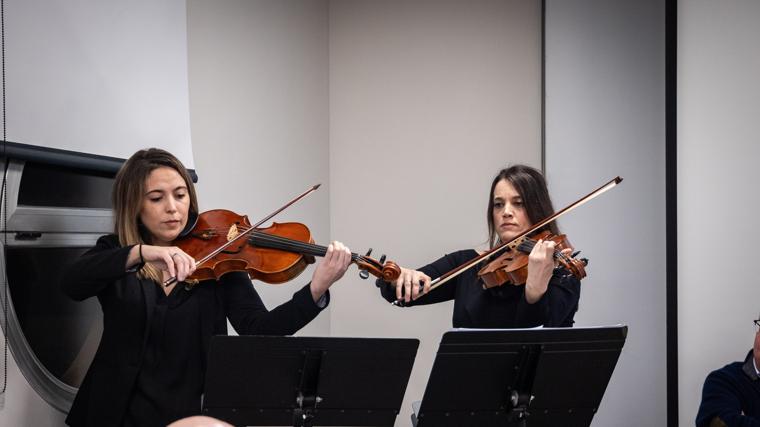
(128, 303)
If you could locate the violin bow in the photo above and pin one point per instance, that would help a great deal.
(515, 241)
(216, 251)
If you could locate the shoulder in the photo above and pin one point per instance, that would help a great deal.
(463, 255)
(731, 373)
(455, 258)
(447, 262)
(108, 241)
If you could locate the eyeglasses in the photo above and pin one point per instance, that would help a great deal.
(757, 325)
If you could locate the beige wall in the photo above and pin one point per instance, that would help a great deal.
(405, 109)
(259, 115)
(428, 99)
(404, 121)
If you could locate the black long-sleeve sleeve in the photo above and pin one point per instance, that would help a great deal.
(436, 269)
(104, 264)
(731, 395)
(499, 307)
(249, 316)
(97, 268)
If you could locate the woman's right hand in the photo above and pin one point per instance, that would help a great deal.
(408, 284)
(171, 259)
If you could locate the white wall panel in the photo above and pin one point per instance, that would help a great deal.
(718, 150)
(99, 77)
(605, 116)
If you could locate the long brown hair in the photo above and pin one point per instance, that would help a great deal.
(531, 186)
(127, 198)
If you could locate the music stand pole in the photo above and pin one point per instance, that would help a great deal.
(520, 396)
(306, 398)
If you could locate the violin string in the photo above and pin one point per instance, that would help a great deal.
(290, 243)
(229, 243)
(278, 242)
(477, 260)
(244, 229)
(273, 242)
(261, 221)
(528, 245)
(566, 260)
(493, 251)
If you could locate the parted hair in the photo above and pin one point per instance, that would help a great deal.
(531, 186)
(129, 191)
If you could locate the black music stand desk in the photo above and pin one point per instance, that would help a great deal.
(307, 381)
(520, 377)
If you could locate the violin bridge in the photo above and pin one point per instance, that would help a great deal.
(232, 232)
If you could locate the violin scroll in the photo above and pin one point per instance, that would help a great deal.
(576, 266)
(386, 270)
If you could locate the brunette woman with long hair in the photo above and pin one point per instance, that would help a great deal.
(518, 198)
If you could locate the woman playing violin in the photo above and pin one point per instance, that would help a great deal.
(149, 367)
(518, 199)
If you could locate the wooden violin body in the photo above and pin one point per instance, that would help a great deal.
(225, 242)
(511, 267)
(494, 271)
(216, 227)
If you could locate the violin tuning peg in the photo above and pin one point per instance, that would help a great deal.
(368, 252)
(382, 259)
(364, 274)
(575, 254)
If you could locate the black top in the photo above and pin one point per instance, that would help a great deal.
(498, 307)
(151, 361)
(732, 393)
(170, 380)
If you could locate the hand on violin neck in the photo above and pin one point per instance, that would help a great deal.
(540, 267)
(411, 284)
(330, 269)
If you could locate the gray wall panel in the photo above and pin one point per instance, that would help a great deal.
(605, 116)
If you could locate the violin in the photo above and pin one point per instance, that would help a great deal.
(573, 265)
(227, 242)
(511, 267)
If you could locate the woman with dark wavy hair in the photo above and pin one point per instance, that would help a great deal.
(518, 199)
(150, 365)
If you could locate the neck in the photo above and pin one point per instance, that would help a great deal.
(266, 240)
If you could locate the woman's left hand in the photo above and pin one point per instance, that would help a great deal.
(330, 269)
(540, 268)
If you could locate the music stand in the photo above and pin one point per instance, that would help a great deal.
(520, 377)
(307, 381)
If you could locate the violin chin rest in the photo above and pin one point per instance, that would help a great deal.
(192, 219)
